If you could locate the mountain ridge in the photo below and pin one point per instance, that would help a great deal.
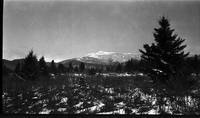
(105, 58)
(97, 59)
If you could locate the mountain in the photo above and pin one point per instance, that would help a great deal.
(90, 63)
(109, 57)
(12, 64)
(97, 59)
(102, 58)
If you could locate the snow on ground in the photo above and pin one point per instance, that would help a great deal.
(35, 97)
(190, 102)
(120, 104)
(154, 100)
(52, 76)
(105, 74)
(135, 111)
(152, 112)
(45, 111)
(80, 111)
(121, 74)
(97, 107)
(37, 94)
(109, 90)
(140, 74)
(44, 105)
(79, 104)
(20, 96)
(64, 100)
(111, 74)
(168, 109)
(39, 102)
(4, 95)
(31, 106)
(124, 75)
(77, 75)
(62, 109)
(119, 111)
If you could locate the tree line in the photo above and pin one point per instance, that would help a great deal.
(32, 67)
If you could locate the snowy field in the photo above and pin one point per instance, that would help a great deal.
(108, 93)
(111, 74)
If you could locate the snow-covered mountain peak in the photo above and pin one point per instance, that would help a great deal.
(107, 57)
(97, 54)
(102, 57)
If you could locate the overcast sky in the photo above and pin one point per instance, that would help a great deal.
(64, 29)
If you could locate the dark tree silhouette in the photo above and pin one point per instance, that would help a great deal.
(196, 64)
(30, 67)
(70, 67)
(18, 68)
(6, 70)
(82, 67)
(128, 66)
(108, 68)
(132, 65)
(76, 69)
(164, 57)
(92, 71)
(119, 67)
(193, 64)
(43, 66)
(53, 68)
(61, 68)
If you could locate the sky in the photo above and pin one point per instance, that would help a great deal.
(62, 29)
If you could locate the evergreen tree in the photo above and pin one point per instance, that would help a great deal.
(70, 68)
(76, 69)
(18, 68)
(30, 67)
(43, 66)
(108, 68)
(119, 68)
(92, 71)
(164, 57)
(6, 70)
(53, 68)
(82, 67)
(129, 66)
(195, 64)
(61, 68)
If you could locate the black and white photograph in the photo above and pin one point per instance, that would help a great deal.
(138, 57)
